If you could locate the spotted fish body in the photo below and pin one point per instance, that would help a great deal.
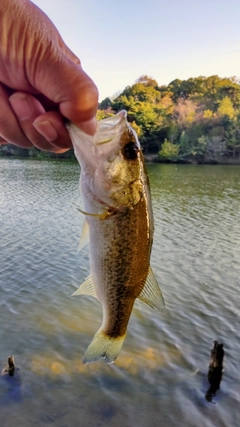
(119, 224)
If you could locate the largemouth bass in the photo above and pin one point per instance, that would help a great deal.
(119, 226)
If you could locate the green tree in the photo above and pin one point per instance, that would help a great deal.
(185, 146)
(215, 148)
(169, 151)
(233, 138)
(141, 92)
(199, 148)
(147, 81)
(105, 104)
(196, 114)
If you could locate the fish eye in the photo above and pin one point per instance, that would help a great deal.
(130, 151)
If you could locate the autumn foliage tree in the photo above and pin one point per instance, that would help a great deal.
(189, 120)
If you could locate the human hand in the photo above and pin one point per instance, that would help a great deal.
(41, 81)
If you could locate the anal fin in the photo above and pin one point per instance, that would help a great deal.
(86, 288)
(151, 293)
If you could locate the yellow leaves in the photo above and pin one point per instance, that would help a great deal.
(207, 114)
(226, 108)
(190, 116)
(137, 128)
(103, 114)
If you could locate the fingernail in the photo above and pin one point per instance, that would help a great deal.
(89, 126)
(46, 129)
(20, 105)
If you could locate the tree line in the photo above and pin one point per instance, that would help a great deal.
(195, 120)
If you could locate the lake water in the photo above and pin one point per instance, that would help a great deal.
(160, 377)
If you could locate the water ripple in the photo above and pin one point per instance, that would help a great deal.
(161, 375)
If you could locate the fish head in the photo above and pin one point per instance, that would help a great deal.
(111, 162)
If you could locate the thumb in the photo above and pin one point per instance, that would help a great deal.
(64, 82)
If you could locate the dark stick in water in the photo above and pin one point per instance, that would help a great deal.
(10, 369)
(215, 370)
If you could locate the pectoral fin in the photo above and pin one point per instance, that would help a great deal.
(86, 288)
(151, 293)
(84, 237)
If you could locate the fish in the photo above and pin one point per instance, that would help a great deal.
(119, 227)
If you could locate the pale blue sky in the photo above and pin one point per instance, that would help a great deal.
(119, 40)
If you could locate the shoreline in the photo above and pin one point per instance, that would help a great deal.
(149, 158)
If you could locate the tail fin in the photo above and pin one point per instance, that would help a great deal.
(103, 346)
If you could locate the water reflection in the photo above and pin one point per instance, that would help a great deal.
(147, 360)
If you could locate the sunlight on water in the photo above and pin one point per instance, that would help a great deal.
(147, 360)
(160, 376)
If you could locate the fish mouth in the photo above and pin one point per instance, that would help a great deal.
(111, 129)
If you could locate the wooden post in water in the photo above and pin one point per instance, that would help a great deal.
(10, 368)
(215, 370)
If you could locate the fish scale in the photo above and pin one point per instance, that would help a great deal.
(123, 280)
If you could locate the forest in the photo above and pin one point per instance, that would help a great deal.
(189, 121)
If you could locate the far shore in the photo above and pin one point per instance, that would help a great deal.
(149, 158)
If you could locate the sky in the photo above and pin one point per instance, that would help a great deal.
(117, 41)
